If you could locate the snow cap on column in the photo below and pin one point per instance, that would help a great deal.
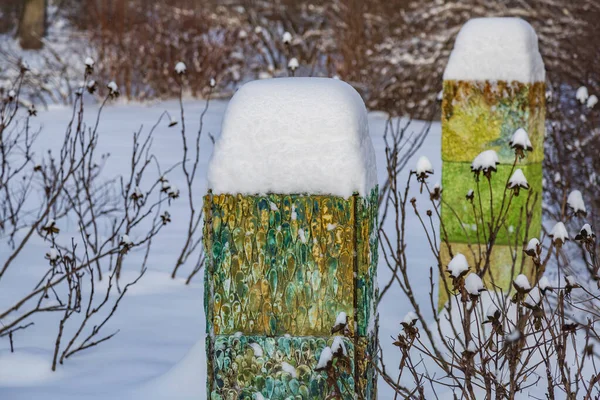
(496, 49)
(294, 135)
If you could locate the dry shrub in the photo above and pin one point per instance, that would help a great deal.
(137, 43)
(539, 334)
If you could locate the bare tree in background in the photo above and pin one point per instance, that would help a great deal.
(32, 25)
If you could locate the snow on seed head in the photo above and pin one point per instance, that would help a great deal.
(522, 283)
(113, 89)
(518, 181)
(180, 68)
(559, 234)
(576, 203)
(423, 168)
(474, 284)
(458, 266)
(586, 234)
(493, 313)
(325, 359)
(485, 162)
(534, 297)
(544, 283)
(582, 94)
(513, 336)
(286, 38)
(293, 64)
(533, 247)
(410, 319)
(520, 140)
(338, 347)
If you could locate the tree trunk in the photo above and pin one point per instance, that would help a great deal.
(33, 24)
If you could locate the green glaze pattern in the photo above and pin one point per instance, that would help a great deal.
(240, 373)
(280, 269)
(503, 268)
(482, 115)
(366, 249)
(479, 116)
(457, 180)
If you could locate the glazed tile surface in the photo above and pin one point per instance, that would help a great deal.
(478, 116)
(280, 269)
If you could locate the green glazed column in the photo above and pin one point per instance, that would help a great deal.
(287, 258)
(493, 85)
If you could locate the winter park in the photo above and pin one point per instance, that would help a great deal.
(276, 200)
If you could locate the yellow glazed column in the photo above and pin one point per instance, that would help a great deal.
(493, 87)
(290, 234)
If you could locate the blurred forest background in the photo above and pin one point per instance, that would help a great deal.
(392, 51)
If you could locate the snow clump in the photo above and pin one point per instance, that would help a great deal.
(458, 265)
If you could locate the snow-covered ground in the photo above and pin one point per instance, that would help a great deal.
(159, 351)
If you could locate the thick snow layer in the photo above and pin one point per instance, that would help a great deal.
(518, 180)
(458, 265)
(294, 135)
(496, 49)
(25, 368)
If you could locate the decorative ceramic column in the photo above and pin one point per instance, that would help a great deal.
(493, 85)
(290, 235)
